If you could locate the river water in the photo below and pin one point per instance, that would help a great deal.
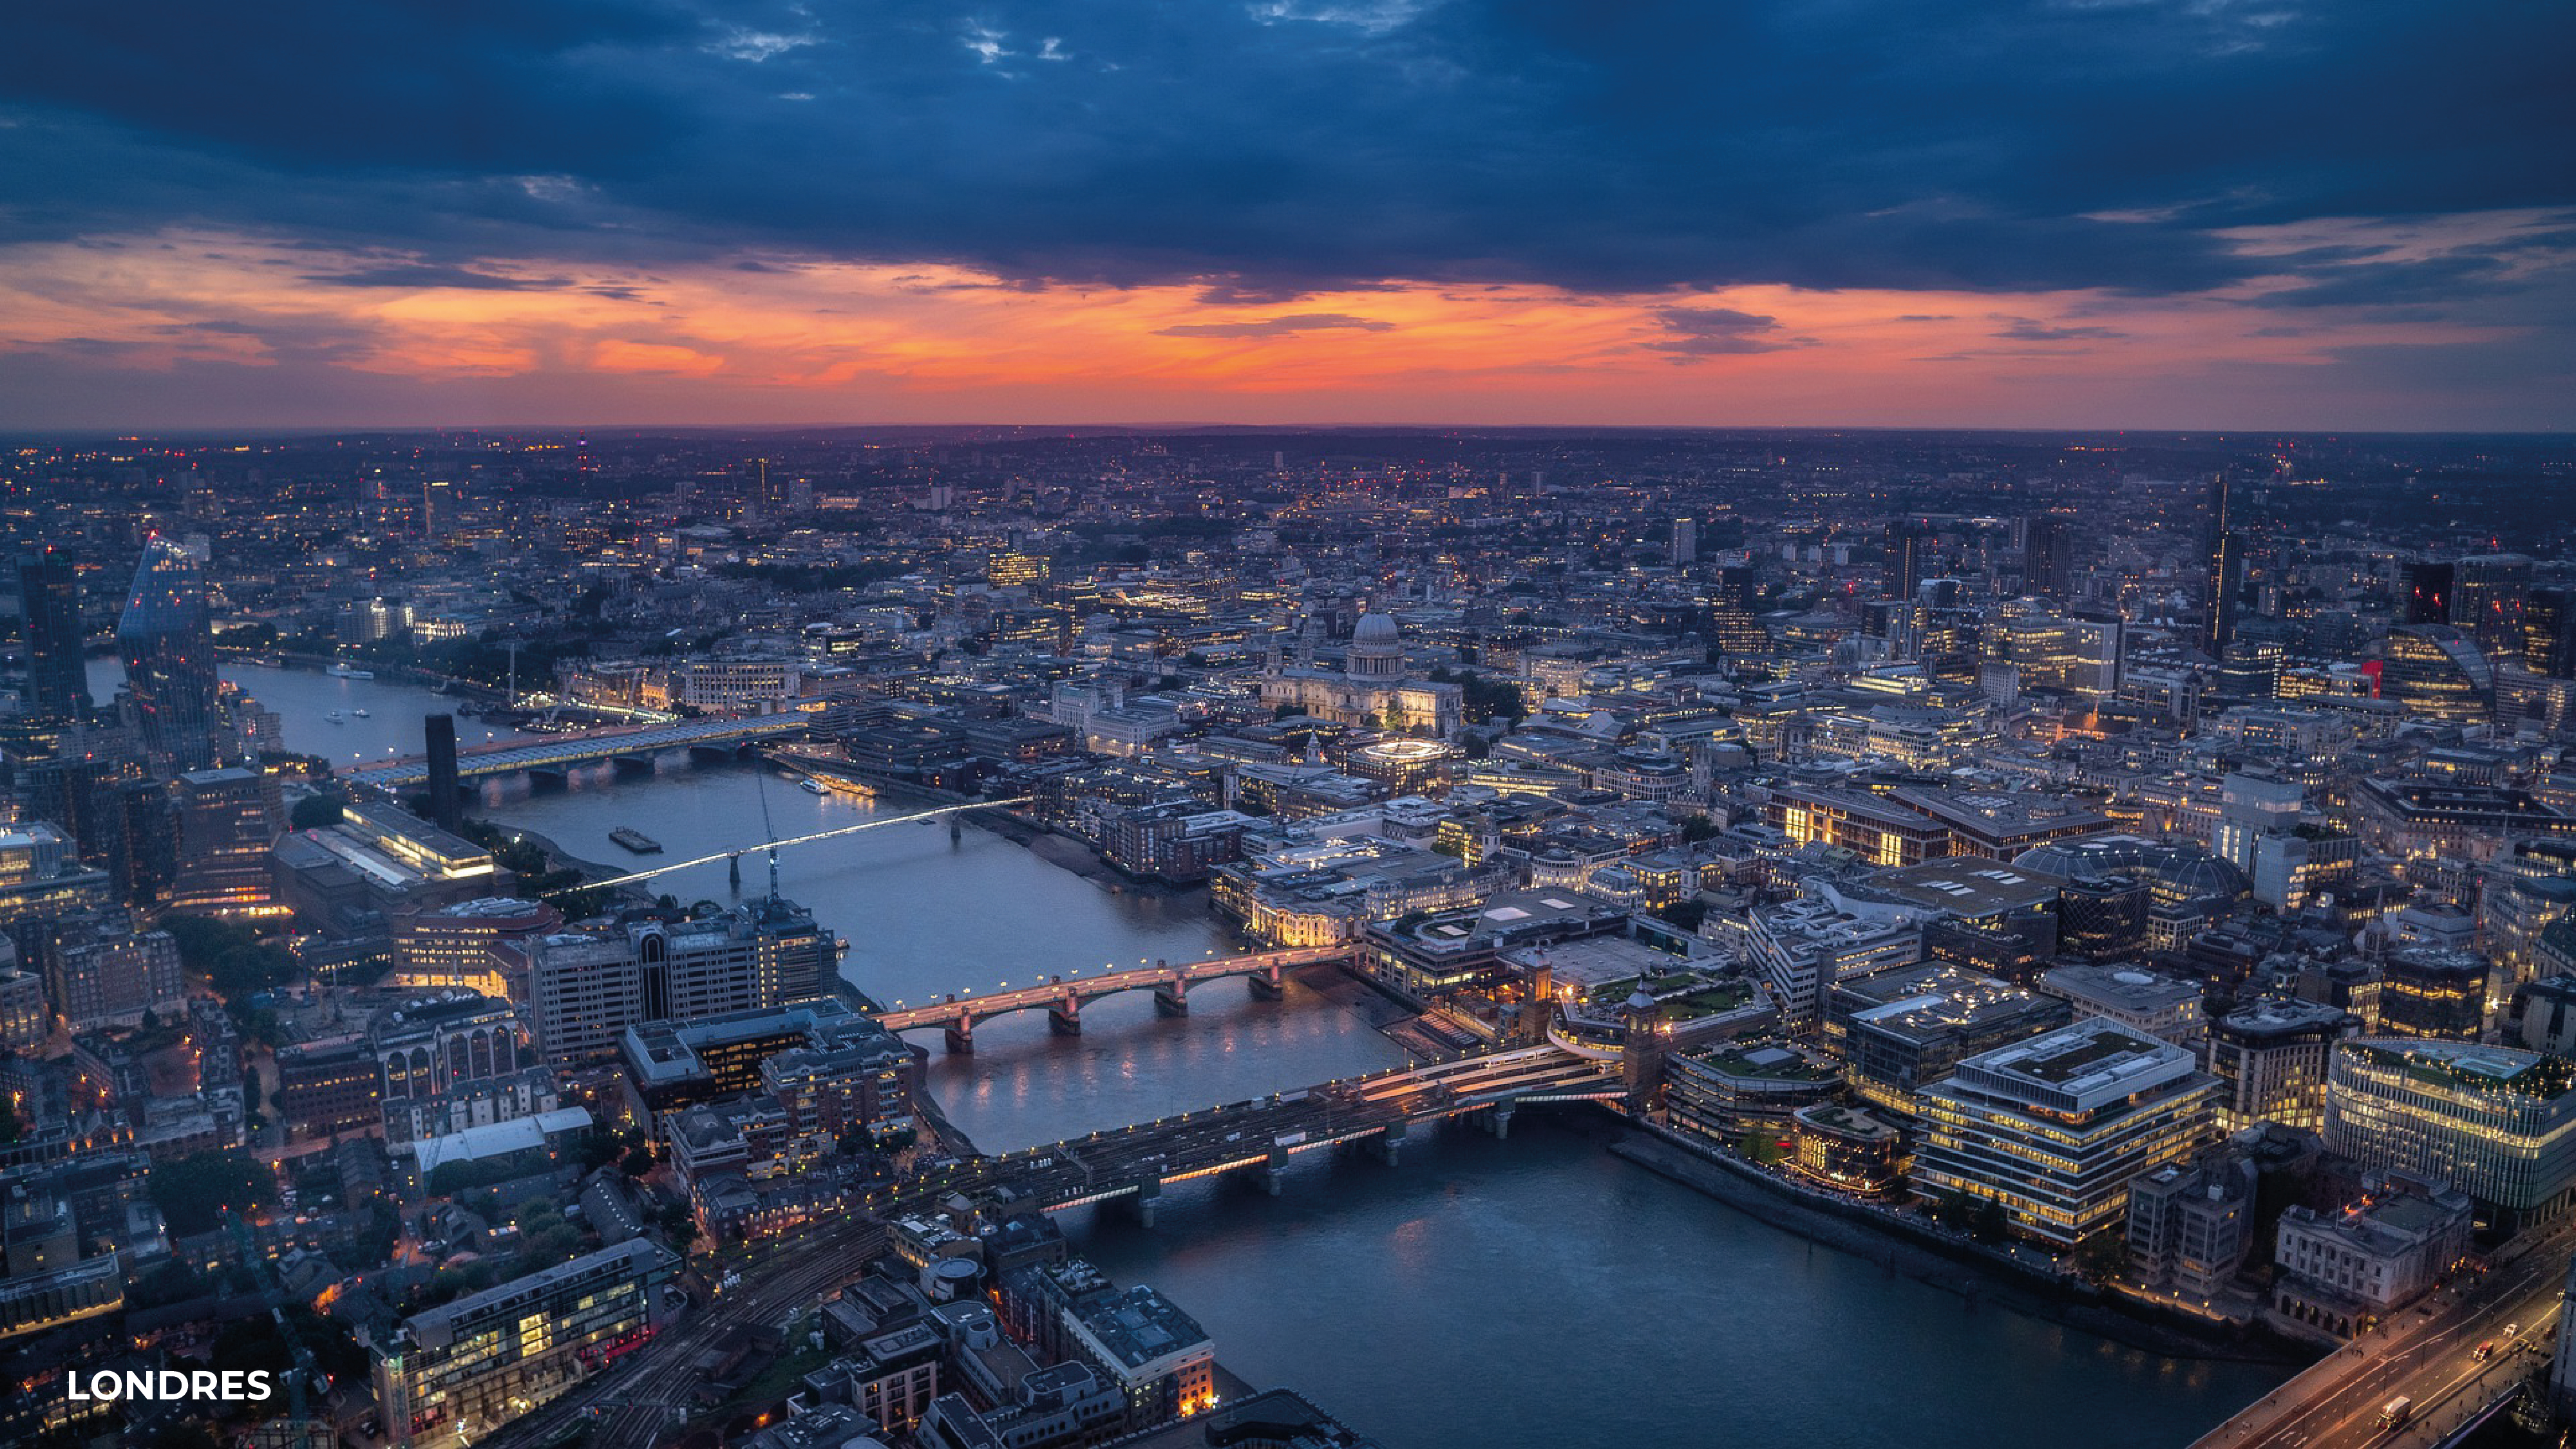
(1532, 1292)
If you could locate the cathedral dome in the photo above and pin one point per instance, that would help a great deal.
(1377, 650)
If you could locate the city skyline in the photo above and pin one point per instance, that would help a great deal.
(2150, 216)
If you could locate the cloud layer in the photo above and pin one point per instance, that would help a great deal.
(2326, 162)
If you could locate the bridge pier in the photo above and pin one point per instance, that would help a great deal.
(1274, 1173)
(1148, 1190)
(1268, 985)
(1065, 1017)
(1497, 1120)
(733, 870)
(961, 1036)
(1172, 998)
(1389, 1145)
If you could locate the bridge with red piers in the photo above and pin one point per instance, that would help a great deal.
(1062, 997)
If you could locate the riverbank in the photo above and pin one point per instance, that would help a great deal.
(1067, 852)
(1966, 1269)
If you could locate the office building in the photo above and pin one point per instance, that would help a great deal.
(228, 819)
(2433, 991)
(585, 988)
(2434, 672)
(2542, 1016)
(460, 946)
(2271, 1058)
(328, 1087)
(168, 642)
(2191, 1227)
(1800, 949)
(1847, 1149)
(2048, 555)
(49, 606)
(455, 1374)
(2143, 1001)
(1155, 1355)
(2497, 1123)
(2344, 1272)
(1901, 1030)
(2054, 1128)
(2549, 633)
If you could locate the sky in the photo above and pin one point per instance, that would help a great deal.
(2241, 214)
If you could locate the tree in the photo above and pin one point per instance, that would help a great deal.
(1698, 828)
(194, 1192)
(637, 1162)
(2102, 1256)
(315, 811)
(1990, 1223)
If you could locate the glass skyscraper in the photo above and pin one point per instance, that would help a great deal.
(168, 641)
(49, 597)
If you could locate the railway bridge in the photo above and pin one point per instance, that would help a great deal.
(1062, 997)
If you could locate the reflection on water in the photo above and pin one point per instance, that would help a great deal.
(305, 698)
(1540, 1292)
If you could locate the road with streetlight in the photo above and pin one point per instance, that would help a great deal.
(2430, 1358)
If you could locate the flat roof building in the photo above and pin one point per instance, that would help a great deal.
(2056, 1127)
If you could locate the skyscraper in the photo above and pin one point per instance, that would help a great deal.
(444, 807)
(168, 640)
(1685, 541)
(2226, 569)
(2226, 582)
(49, 600)
(227, 820)
(2549, 633)
(2428, 592)
(2048, 555)
(1909, 545)
(437, 507)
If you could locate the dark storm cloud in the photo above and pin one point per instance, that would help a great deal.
(1284, 146)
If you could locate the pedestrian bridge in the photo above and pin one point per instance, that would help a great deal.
(1062, 997)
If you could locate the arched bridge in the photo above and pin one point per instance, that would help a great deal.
(1062, 996)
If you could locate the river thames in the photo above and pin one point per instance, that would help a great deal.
(1530, 1292)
